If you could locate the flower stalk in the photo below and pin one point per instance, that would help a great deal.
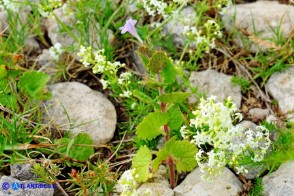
(170, 161)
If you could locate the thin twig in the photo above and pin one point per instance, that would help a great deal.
(117, 148)
(61, 189)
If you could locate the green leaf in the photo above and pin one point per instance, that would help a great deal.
(62, 145)
(174, 97)
(175, 118)
(145, 53)
(3, 72)
(33, 83)
(8, 100)
(141, 162)
(80, 152)
(4, 86)
(149, 82)
(182, 152)
(157, 62)
(151, 126)
(161, 155)
(169, 72)
(75, 148)
(142, 96)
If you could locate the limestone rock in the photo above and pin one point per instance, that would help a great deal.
(248, 125)
(158, 185)
(138, 64)
(57, 35)
(281, 87)
(8, 181)
(277, 121)
(3, 20)
(22, 171)
(31, 45)
(77, 108)
(215, 84)
(280, 182)
(47, 65)
(175, 27)
(193, 185)
(260, 20)
(258, 113)
(155, 189)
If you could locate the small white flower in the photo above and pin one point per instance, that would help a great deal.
(126, 94)
(55, 51)
(104, 83)
(86, 63)
(133, 105)
(128, 183)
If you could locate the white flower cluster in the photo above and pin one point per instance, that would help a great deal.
(128, 183)
(98, 60)
(204, 39)
(229, 144)
(106, 68)
(10, 5)
(154, 7)
(223, 5)
(124, 77)
(55, 51)
(46, 8)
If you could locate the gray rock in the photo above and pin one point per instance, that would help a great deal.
(248, 125)
(22, 18)
(261, 19)
(175, 26)
(132, 6)
(155, 189)
(157, 185)
(77, 108)
(67, 40)
(280, 182)
(193, 185)
(31, 45)
(271, 119)
(20, 191)
(139, 65)
(22, 171)
(258, 113)
(277, 121)
(47, 65)
(3, 20)
(216, 84)
(281, 87)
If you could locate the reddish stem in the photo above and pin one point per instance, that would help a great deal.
(172, 178)
(170, 161)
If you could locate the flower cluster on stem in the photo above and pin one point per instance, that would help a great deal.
(128, 183)
(109, 70)
(222, 143)
(154, 7)
(204, 38)
(55, 51)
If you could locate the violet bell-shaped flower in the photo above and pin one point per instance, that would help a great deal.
(130, 27)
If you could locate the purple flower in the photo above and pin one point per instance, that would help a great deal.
(130, 27)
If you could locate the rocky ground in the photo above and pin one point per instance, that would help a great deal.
(93, 112)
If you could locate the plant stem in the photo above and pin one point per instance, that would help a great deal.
(170, 161)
